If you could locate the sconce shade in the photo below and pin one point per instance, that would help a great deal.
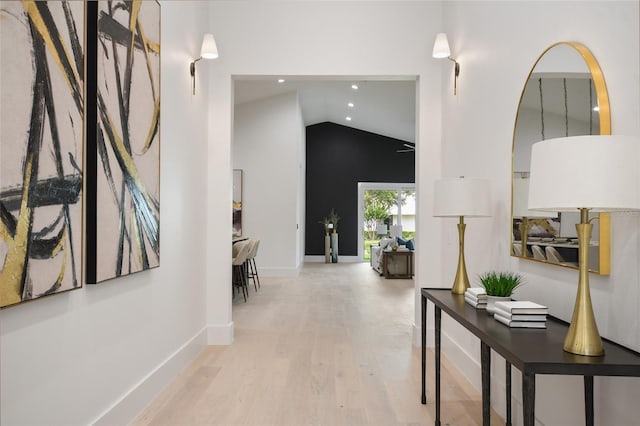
(599, 173)
(209, 48)
(468, 197)
(441, 46)
(521, 201)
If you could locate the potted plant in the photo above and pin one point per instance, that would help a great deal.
(333, 219)
(499, 286)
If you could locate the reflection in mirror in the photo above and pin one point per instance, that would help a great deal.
(565, 95)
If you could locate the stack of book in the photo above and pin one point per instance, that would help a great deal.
(476, 297)
(521, 314)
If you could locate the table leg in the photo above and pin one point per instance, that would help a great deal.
(528, 398)
(588, 400)
(438, 324)
(423, 328)
(508, 383)
(485, 361)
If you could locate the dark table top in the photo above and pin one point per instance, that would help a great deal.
(536, 351)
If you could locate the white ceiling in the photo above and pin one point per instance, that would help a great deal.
(383, 106)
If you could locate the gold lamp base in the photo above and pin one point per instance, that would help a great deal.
(583, 337)
(461, 281)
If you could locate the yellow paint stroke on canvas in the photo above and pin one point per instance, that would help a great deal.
(145, 45)
(133, 20)
(35, 16)
(14, 264)
(63, 267)
(152, 127)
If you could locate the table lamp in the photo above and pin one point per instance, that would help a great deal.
(396, 231)
(585, 173)
(521, 210)
(460, 197)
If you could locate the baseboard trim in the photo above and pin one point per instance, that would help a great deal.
(149, 387)
(220, 334)
(343, 259)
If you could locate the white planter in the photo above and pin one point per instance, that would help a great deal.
(491, 301)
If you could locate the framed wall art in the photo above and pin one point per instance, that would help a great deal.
(41, 148)
(123, 149)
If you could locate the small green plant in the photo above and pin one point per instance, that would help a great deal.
(334, 218)
(500, 283)
(325, 221)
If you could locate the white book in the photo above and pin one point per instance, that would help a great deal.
(522, 307)
(519, 317)
(520, 324)
(475, 303)
(473, 298)
(478, 292)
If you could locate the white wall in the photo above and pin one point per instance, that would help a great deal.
(68, 358)
(317, 38)
(267, 145)
(496, 44)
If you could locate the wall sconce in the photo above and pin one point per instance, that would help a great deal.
(441, 50)
(602, 176)
(460, 197)
(209, 50)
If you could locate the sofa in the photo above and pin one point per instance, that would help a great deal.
(387, 244)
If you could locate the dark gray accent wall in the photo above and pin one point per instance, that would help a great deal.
(338, 157)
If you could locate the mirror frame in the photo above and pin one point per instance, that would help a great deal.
(602, 96)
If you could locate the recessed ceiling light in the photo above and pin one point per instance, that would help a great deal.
(348, 118)
(350, 104)
(354, 86)
(281, 80)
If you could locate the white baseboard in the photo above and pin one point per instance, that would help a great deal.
(220, 334)
(344, 259)
(142, 393)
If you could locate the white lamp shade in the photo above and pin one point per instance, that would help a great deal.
(521, 201)
(441, 46)
(396, 231)
(601, 173)
(462, 197)
(381, 229)
(209, 49)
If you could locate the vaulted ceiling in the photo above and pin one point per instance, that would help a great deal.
(383, 106)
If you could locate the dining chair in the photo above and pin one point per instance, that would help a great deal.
(517, 250)
(554, 256)
(252, 269)
(239, 278)
(538, 253)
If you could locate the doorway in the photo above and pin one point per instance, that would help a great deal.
(385, 209)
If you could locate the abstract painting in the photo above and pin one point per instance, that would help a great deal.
(41, 148)
(123, 158)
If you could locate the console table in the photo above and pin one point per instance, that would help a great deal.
(406, 254)
(532, 351)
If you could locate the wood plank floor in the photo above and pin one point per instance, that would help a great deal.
(330, 347)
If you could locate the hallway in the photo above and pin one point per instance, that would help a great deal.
(329, 347)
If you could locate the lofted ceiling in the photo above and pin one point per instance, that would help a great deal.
(383, 106)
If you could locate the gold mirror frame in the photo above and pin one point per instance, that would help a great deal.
(604, 263)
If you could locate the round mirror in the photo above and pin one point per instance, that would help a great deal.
(565, 95)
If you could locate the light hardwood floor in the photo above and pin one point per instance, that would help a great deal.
(330, 347)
